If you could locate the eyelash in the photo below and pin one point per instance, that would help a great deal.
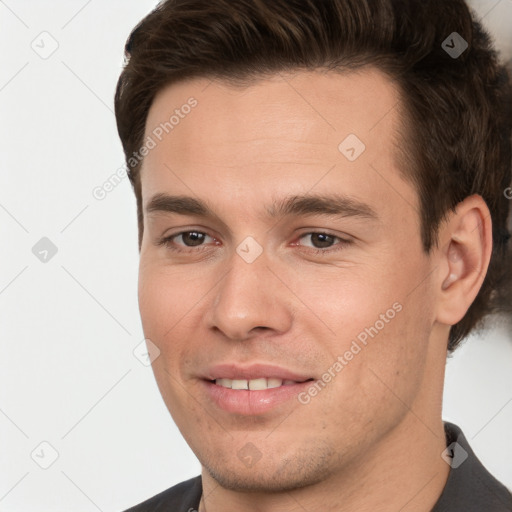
(167, 242)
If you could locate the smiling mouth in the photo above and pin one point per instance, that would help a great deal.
(259, 384)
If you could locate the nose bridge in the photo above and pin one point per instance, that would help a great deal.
(249, 296)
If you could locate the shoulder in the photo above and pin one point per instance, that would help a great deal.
(470, 487)
(183, 497)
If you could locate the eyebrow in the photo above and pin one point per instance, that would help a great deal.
(336, 205)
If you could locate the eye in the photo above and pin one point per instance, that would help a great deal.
(192, 238)
(321, 242)
(189, 239)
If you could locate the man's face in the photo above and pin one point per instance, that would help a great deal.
(254, 290)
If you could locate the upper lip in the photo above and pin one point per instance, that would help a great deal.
(235, 371)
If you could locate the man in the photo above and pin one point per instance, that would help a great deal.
(321, 190)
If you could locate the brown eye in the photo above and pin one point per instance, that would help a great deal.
(323, 243)
(322, 240)
(191, 238)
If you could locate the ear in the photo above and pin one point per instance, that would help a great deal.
(465, 246)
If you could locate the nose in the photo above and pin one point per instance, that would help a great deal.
(250, 298)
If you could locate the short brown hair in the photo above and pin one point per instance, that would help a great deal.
(458, 110)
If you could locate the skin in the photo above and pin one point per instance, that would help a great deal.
(372, 438)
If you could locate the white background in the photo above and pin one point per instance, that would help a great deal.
(69, 326)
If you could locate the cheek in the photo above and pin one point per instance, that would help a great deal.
(168, 299)
(396, 353)
(349, 301)
(378, 318)
(166, 295)
(169, 302)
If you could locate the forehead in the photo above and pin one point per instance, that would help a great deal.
(326, 103)
(286, 130)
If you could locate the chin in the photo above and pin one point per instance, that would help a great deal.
(258, 481)
(284, 475)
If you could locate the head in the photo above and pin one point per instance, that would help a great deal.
(245, 110)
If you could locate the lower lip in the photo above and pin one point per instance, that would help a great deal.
(250, 403)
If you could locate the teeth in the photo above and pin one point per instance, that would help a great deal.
(274, 383)
(258, 384)
(253, 384)
(239, 384)
(225, 383)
